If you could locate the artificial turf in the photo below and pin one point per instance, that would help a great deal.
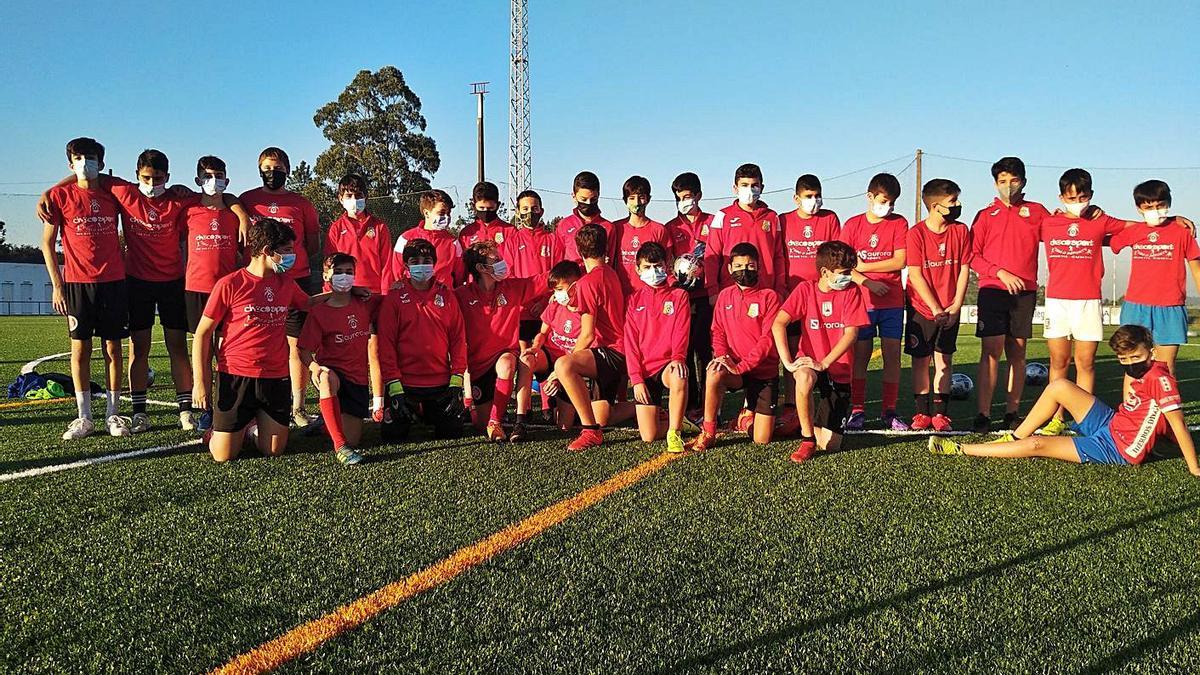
(878, 557)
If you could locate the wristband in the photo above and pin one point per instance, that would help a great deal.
(456, 381)
(394, 388)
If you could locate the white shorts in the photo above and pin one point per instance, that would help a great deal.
(1076, 319)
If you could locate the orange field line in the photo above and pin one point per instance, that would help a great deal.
(18, 404)
(309, 636)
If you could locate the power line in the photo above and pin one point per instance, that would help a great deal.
(1055, 166)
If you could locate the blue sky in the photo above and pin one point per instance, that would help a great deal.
(652, 88)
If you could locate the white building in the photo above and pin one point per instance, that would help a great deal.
(25, 289)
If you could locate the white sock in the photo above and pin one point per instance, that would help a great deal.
(297, 399)
(83, 401)
(112, 398)
(377, 403)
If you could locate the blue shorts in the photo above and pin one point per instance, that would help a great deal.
(1095, 444)
(887, 323)
(1168, 325)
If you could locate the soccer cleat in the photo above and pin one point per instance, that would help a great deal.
(1006, 437)
(205, 422)
(982, 425)
(316, 427)
(704, 441)
(588, 438)
(188, 420)
(892, 421)
(1011, 421)
(920, 422)
(299, 418)
(743, 422)
(140, 423)
(80, 427)
(805, 451)
(674, 442)
(118, 426)
(519, 433)
(856, 421)
(348, 457)
(693, 419)
(788, 423)
(940, 422)
(1055, 427)
(941, 445)
(495, 432)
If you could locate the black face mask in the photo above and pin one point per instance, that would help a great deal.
(745, 277)
(274, 179)
(1137, 370)
(955, 212)
(587, 209)
(487, 215)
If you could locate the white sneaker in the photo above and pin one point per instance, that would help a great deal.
(188, 420)
(141, 422)
(118, 426)
(79, 427)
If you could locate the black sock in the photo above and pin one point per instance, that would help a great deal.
(593, 427)
(139, 401)
(183, 399)
(922, 403)
(522, 418)
(940, 404)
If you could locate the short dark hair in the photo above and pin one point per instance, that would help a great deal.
(748, 171)
(566, 270)
(835, 255)
(938, 188)
(808, 182)
(744, 250)
(84, 146)
(270, 234)
(431, 198)
(1079, 179)
(484, 190)
(884, 183)
(276, 154)
(585, 180)
(1129, 337)
(154, 159)
(209, 163)
(686, 181)
(1152, 191)
(592, 241)
(353, 181)
(476, 254)
(332, 261)
(419, 248)
(1012, 165)
(651, 252)
(529, 193)
(636, 185)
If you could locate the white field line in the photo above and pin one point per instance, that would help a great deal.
(32, 365)
(54, 468)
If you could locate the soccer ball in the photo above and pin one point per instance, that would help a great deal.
(961, 386)
(683, 266)
(1037, 374)
(149, 377)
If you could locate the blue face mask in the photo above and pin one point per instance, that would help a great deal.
(653, 276)
(840, 282)
(285, 262)
(420, 273)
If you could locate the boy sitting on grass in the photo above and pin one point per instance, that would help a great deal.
(1124, 436)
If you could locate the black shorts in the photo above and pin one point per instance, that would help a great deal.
(655, 387)
(529, 329)
(99, 309)
(240, 398)
(427, 404)
(295, 320)
(1002, 313)
(833, 402)
(611, 375)
(761, 395)
(923, 337)
(194, 303)
(145, 297)
(354, 398)
(795, 329)
(483, 386)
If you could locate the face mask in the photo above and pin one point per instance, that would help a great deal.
(839, 282)
(1137, 370)
(810, 205)
(486, 215)
(341, 282)
(420, 273)
(954, 212)
(562, 297)
(748, 195)
(274, 179)
(86, 169)
(587, 210)
(285, 262)
(1155, 217)
(745, 277)
(654, 276)
(354, 206)
(1075, 209)
(636, 209)
(442, 222)
(528, 220)
(882, 210)
(213, 185)
(1007, 192)
(686, 206)
(500, 269)
(152, 190)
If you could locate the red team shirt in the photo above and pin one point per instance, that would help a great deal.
(492, 320)
(529, 252)
(742, 329)
(941, 258)
(564, 330)
(824, 317)
(731, 226)
(88, 222)
(1075, 255)
(1139, 420)
(153, 229)
(876, 242)
(367, 239)
(629, 240)
(421, 336)
(566, 229)
(448, 269)
(338, 336)
(657, 324)
(290, 208)
(1006, 238)
(253, 311)
(599, 293)
(212, 245)
(1158, 273)
(801, 237)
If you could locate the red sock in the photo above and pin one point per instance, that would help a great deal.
(331, 411)
(500, 398)
(891, 390)
(858, 393)
(709, 427)
(545, 399)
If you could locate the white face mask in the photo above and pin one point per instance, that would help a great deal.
(882, 210)
(653, 276)
(152, 190)
(354, 206)
(686, 206)
(86, 169)
(341, 282)
(213, 185)
(1076, 209)
(1155, 217)
(810, 205)
(500, 269)
(748, 195)
(839, 282)
(562, 297)
(442, 222)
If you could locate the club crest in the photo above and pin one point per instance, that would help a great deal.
(752, 312)
(269, 294)
(668, 307)
(1072, 230)
(827, 308)
(873, 241)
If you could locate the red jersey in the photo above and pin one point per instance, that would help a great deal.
(877, 242)
(339, 335)
(530, 252)
(492, 320)
(367, 239)
(1158, 273)
(1139, 421)
(421, 337)
(801, 238)
(153, 230)
(253, 311)
(941, 257)
(88, 222)
(293, 209)
(657, 325)
(564, 330)
(742, 329)
(497, 231)
(688, 238)
(824, 317)
(629, 240)
(599, 293)
(1075, 255)
(448, 269)
(1006, 238)
(212, 246)
(733, 225)
(566, 229)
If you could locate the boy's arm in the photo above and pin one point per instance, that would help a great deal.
(587, 333)
(1183, 438)
(458, 340)
(960, 290)
(386, 329)
(683, 329)
(765, 341)
(234, 204)
(633, 350)
(779, 332)
(1194, 266)
(312, 234)
(712, 256)
(45, 210)
(202, 362)
(916, 280)
(49, 239)
(849, 336)
(780, 261)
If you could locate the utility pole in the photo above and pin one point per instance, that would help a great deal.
(478, 89)
(917, 219)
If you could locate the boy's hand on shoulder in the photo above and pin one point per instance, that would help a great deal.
(1092, 212)
(1186, 223)
(875, 287)
(45, 211)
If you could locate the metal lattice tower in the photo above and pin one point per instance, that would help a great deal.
(520, 156)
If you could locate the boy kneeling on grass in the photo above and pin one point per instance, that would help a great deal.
(1123, 436)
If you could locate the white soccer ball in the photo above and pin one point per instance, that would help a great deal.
(149, 377)
(961, 386)
(684, 265)
(1037, 374)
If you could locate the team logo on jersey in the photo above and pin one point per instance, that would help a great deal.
(439, 301)
(545, 250)
(1131, 404)
(942, 249)
(152, 214)
(1153, 237)
(499, 237)
(1164, 383)
(814, 324)
(269, 294)
(766, 225)
(370, 232)
(1024, 212)
(640, 308)
(273, 208)
(808, 231)
(567, 326)
(994, 213)
(472, 302)
(873, 241)
(405, 299)
(752, 312)
(214, 225)
(704, 231)
(669, 307)
(827, 308)
(95, 206)
(352, 321)
(1072, 230)
(501, 301)
(635, 243)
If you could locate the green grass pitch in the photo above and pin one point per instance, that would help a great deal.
(876, 558)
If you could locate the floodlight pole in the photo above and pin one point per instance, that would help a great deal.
(478, 89)
(918, 190)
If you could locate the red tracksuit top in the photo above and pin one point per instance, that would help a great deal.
(566, 229)
(801, 237)
(657, 325)
(1007, 238)
(731, 226)
(493, 320)
(449, 268)
(530, 252)
(497, 231)
(367, 239)
(422, 341)
(629, 240)
(742, 329)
